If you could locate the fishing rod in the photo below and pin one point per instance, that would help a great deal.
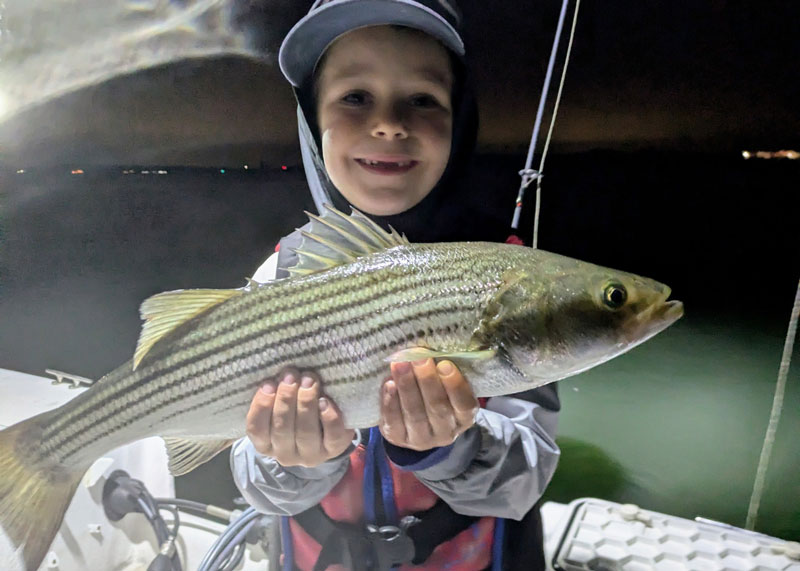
(528, 174)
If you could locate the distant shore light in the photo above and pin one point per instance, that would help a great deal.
(782, 154)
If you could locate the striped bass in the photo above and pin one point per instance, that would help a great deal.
(512, 318)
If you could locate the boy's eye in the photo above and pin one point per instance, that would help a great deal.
(424, 101)
(355, 98)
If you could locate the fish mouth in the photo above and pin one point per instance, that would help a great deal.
(669, 310)
(654, 319)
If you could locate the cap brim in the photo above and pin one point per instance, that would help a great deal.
(306, 41)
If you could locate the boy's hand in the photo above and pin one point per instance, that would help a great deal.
(425, 405)
(292, 422)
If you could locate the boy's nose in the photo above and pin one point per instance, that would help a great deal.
(389, 125)
(389, 133)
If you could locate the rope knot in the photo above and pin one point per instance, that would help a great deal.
(528, 176)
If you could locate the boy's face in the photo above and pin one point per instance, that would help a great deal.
(385, 116)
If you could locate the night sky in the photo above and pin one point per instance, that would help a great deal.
(708, 76)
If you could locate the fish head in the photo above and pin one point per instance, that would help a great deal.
(579, 316)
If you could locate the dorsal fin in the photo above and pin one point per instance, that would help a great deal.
(164, 312)
(336, 238)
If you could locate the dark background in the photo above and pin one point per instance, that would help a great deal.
(710, 75)
(645, 174)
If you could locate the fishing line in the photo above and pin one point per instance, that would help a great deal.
(775, 415)
(528, 174)
(535, 240)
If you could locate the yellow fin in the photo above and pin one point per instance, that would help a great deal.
(164, 312)
(420, 353)
(334, 238)
(187, 454)
(35, 491)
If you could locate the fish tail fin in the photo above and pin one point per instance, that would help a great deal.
(34, 494)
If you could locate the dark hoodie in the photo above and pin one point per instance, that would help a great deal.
(443, 215)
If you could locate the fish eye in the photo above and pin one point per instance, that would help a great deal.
(615, 295)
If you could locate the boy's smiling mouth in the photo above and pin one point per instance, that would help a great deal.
(387, 164)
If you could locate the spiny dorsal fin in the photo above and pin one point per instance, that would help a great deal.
(336, 238)
(164, 312)
(187, 454)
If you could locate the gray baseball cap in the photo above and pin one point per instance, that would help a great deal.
(329, 19)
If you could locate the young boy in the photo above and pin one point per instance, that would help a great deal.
(383, 94)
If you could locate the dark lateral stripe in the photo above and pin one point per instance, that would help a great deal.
(61, 439)
(68, 451)
(113, 404)
(332, 312)
(153, 388)
(242, 403)
(129, 391)
(422, 282)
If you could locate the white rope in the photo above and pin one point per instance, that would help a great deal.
(775, 415)
(528, 174)
(535, 241)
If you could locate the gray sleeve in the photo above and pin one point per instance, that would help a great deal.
(501, 466)
(283, 490)
(263, 482)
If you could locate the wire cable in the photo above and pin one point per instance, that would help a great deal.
(236, 557)
(221, 563)
(206, 509)
(211, 557)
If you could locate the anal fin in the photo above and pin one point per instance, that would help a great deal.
(187, 454)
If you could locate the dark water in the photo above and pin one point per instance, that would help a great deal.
(676, 425)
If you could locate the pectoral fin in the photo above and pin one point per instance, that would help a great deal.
(496, 306)
(421, 353)
(185, 455)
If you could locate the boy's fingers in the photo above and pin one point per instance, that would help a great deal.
(415, 416)
(335, 437)
(392, 424)
(259, 418)
(437, 404)
(283, 417)
(308, 431)
(460, 394)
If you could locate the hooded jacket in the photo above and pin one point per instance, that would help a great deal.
(499, 467)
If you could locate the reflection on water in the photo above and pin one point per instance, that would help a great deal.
(685, 416)
(675, 425)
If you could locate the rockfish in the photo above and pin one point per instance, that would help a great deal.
(512, 318)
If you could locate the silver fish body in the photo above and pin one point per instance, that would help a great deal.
(512, 318)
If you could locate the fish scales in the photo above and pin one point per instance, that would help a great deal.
(338, 342)
(216, 343)
(510, 317)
